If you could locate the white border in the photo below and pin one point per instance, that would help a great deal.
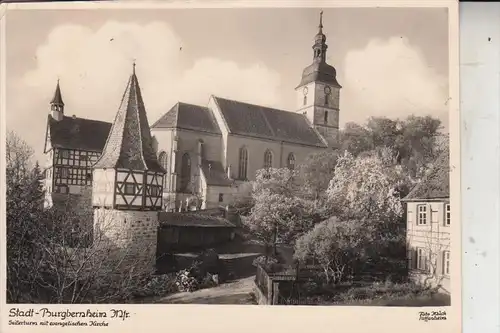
(288, 319)
(480, 109)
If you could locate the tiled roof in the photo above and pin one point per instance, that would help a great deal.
(263, 122)
(130, 145)
(189, 116)
(319, 71)
(193, 220)
(78, 133)
(436, 185)
(214, 173)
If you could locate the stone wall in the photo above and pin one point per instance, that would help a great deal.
(132, 235)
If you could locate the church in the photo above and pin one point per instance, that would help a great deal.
(204, 151)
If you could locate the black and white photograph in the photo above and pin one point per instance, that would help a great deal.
(239, 156)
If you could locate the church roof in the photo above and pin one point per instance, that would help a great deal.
(129, 144)
(78, 133)
(436, 185)
(214, 173)
(189, 116)
(264, 122)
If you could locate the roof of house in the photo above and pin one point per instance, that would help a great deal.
(264, 122)
(189, 116)
(193, 220)
(214, 173)
(129, 144)
(436, 184)
(78, 133)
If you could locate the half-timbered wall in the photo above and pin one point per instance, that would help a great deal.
(72, 169)
(138, 190)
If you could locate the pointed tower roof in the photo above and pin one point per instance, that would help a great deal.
(129, 144)
(57, 99)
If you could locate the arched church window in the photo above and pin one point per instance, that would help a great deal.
(291, 161)
(163, 159)
(326, 117)
(185, 171)
(268, 159)
(243, 163)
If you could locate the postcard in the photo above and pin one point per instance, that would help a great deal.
(169, 165)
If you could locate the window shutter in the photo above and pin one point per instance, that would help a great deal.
(414, 258)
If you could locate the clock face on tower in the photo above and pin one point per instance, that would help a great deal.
(306, 90)
(328, 90)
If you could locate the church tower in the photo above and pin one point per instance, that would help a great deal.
(127, 182)
(318, 92)
(57, 104)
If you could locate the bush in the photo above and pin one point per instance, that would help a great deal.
(185, 281)
(265, 262)
(159, 285)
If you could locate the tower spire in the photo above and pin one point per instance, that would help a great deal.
(320, 22)
(57, 104)
(320, 46)
(57, 99)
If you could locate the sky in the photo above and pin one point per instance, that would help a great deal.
(391, 62)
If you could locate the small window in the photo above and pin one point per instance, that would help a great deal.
(446, 262)
(305, 100)
(129, 189)
(88, 177)
(64, 172)
(422, 214)
(447, 218)
(291, 161)
(221, 197)
(325, 117)
(268, 159)
(421, 260)
(64, 154)
(326, 99)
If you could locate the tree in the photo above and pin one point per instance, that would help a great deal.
(23, 207)
(415, 140)
(279, 214)
(315, 173)
(55, 255)
(335, 245)
(368, 187)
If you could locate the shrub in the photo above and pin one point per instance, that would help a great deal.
(185, 281)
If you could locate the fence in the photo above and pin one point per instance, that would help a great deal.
(280, 284)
